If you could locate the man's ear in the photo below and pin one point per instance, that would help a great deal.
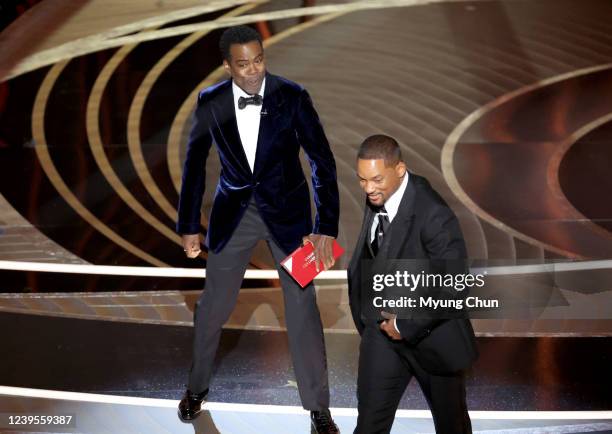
(226, 66)
(401, 169)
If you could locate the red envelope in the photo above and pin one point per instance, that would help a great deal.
(300, 264)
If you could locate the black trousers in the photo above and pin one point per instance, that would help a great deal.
(385, 369)
(224, 274)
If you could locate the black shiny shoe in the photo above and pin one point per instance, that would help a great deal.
(322, 422)
(191, 405)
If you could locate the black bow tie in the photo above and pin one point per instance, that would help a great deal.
(255, 100)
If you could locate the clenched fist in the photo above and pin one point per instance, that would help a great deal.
(191, 245)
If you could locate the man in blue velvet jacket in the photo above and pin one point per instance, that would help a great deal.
(258, 122)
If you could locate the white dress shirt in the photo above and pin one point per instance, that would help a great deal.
(391, 206)
(248, 122)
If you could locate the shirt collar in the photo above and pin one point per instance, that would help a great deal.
(392, 204)
(238, 92)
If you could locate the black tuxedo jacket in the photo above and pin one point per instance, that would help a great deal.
(288, 122)
(424, 228)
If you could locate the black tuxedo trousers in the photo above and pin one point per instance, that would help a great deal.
(385, 369)
(224, 274)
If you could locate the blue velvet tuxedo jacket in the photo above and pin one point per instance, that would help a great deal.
(277, 183)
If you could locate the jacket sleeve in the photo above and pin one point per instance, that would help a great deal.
(194, 173)
(444, 245)
(355, 303)
(325, 184)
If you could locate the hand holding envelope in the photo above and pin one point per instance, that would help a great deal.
(322, 250)
(301, 263)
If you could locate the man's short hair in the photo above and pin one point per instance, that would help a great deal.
(380, 147)
(237, 35)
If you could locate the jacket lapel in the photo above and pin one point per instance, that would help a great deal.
(225, 117)
(271, 110)
(401, 226)
(365, 230)
(398, 233)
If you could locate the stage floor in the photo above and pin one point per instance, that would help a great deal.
(254, 367)
(99, 370)
(97, 414)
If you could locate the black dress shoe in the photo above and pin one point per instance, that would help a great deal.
(322, 422)
(191, 405)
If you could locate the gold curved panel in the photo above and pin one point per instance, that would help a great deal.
(80, 48)
(92, 43)
(450, 145)
(42, 152)
(552, 174)
(97, 147)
